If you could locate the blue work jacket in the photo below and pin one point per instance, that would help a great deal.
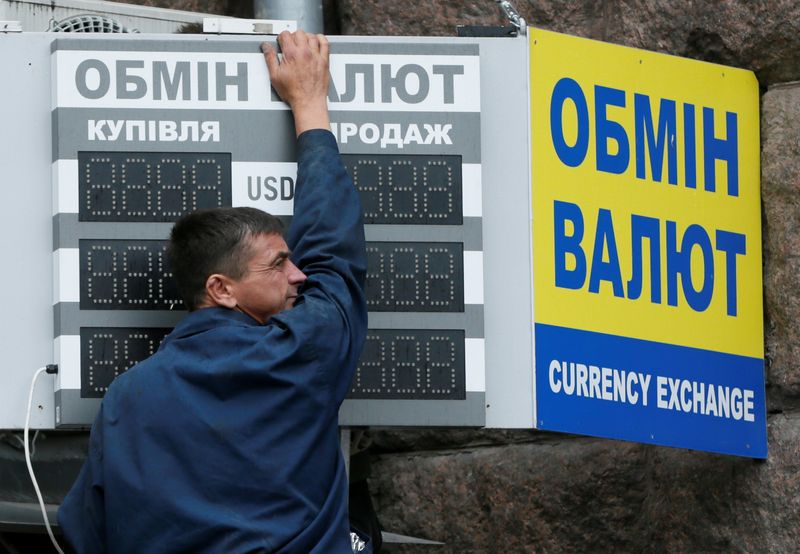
(226, 439)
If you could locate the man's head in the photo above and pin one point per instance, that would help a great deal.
(234, 258)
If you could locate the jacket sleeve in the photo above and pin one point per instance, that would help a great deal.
(81, 515)
(327, 239)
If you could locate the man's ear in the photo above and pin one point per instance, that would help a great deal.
(219, 291)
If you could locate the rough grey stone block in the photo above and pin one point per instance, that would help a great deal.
(762, 36)
(780, 185)
(588, 495)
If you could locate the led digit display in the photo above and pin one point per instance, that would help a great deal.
(126, 275)
(401, 276)
(411, 364)
(415, 277)
(150, 186)
(414, 189)
(108, 352)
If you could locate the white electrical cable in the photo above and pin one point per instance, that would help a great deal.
(30, 465)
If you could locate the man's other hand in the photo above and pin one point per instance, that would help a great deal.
(301, 77)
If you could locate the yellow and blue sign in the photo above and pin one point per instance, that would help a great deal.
(646, 222)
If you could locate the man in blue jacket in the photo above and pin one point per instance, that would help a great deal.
(226, 439)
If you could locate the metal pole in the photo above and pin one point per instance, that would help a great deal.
(307, 13)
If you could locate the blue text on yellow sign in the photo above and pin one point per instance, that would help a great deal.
(647, 246)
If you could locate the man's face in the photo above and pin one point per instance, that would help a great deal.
(270, 284)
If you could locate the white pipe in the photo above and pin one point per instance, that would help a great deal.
(307, 13)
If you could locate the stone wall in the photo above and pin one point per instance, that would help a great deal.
(526, 491)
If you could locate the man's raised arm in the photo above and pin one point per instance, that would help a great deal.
(327, 231)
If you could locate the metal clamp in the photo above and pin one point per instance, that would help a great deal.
(233, 26)
(10, 27)
(513, 16)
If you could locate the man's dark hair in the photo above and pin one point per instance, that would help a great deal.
(214, 241)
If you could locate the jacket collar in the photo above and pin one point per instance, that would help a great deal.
(204, 319)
